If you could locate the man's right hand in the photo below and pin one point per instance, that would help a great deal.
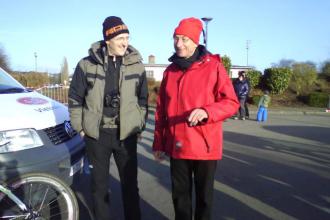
(159, 156)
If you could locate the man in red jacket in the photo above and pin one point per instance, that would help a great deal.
(195, 96)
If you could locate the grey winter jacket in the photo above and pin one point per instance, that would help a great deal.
(86, 93)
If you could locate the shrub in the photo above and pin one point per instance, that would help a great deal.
(277, 79)
(153, 87)
(31, 79)
(255, 99)
(304, 76)
(318, 99)
(254, 77)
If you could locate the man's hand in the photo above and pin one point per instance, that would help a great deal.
(82, 134)
(139, 137)
(159, 156)
(197, 115)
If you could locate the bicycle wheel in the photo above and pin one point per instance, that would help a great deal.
(46, 197)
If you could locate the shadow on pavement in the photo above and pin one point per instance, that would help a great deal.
(282, 173)
(81, 186)
(267, 178)
(306, 132)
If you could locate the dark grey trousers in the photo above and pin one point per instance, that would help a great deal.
(99, 153)
(184, 173)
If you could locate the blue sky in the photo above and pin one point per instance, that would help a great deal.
(276, 29)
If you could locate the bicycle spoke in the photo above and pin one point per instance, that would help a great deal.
(45, 195)
(51, 204)
(57, 214)
(30, 194)
(12, 211)
(13, 216)
(44, 198)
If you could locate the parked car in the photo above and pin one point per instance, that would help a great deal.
(35, 134)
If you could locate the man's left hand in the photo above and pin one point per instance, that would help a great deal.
(197, 115)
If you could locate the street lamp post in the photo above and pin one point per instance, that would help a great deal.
(206, 21)
(247, 52)
(35, 60)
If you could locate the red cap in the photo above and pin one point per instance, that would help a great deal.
(190, 27)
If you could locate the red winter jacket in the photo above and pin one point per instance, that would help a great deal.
(205, 85)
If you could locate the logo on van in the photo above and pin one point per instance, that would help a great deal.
(68, 128)
(32, 101)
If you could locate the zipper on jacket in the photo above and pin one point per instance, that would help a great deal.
(105, 57)
(177, 144)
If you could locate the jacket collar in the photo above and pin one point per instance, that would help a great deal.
(202, 56)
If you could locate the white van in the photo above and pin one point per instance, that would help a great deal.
(35, 134)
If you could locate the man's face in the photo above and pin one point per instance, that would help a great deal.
(117, 46)
(184, 46)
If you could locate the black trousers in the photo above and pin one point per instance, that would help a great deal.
(247, 113)
(242, 110)
(99, 153)
(184, 173)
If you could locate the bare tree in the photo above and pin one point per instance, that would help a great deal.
(326, 70)
(227, 63)
(284, 63)
(4, 63)
(64, 72)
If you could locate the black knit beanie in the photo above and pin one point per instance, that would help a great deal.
(113, 26)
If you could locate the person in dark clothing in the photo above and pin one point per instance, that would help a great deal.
(241, 89)
(247, 113)
(108, 107)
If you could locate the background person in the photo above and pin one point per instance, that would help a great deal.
(263, 104)
(241, 89)
(247, 112)
(195, 97)
(108, 107)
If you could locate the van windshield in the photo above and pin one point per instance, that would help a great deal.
(9, 85)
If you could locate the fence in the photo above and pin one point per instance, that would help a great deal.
(58, 93)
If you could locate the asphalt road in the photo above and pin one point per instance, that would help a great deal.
(276, 170)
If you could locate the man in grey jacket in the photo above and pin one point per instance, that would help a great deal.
(108, 107)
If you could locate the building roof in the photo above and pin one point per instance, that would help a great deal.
(155, 65)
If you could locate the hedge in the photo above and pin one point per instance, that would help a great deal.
(318, 99)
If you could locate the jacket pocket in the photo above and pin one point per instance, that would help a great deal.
(213, 135)
(141, 114)
(91, 123)
(131, 121)
(205, 137)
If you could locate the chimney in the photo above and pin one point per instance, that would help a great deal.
(152, 59)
